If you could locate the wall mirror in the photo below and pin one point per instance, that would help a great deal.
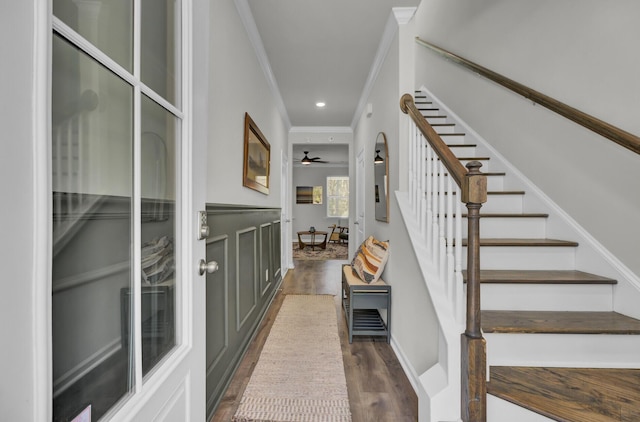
(381, 178)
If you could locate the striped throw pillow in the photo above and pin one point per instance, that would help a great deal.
(370, 259)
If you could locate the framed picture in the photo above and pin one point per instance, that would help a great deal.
(308, 194)
(257, 156)
(304, 195)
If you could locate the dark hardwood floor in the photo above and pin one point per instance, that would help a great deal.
(378, 388)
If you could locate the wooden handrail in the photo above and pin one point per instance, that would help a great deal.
(617, 135)
(473, 186)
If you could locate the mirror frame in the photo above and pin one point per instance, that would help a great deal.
(386, 172)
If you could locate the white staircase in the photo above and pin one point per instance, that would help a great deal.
(546, 272)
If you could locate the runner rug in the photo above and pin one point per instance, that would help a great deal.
(299, 375)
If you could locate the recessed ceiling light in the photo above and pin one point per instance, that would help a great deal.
(320, 104)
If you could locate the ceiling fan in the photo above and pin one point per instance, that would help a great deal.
(306, 160)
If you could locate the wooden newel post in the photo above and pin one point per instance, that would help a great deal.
(473, 346)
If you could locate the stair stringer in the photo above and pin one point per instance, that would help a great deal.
(438, 388)
(590, 256)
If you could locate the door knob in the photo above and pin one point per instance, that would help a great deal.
(208, 267)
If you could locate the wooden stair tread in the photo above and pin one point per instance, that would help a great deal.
(540, 277)
(570, 394)
(472, 158)
(509, 215)
(523, 242)
(558, 322)
(513, 215)
(490, 173)
(499, 192)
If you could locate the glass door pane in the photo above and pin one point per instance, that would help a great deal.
(92, 144)
(158, 231)
(106, 24)
(159, 52)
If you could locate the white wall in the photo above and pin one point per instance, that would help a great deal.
(23, 395)
(413, 324)
(237, 85)
(582, 53)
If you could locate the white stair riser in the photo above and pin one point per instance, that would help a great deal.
(445, 129)
(525, 258)
(563, 350)
(462, 151)
(432, 118)
(546, 297)
(529, 227)
(499, 410)
(502, 204)
(495, 183)
(457, 139)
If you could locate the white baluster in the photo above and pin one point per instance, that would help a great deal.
(434, 201)
(428, 193)
(441, 212)
(459, 282)
(423, 189)
(412, 145)
(450, 259)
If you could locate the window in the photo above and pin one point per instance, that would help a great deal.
(338, 196)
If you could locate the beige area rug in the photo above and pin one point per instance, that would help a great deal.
(299, 375)
(333, 251)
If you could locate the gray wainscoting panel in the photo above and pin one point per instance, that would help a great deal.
(246, 274)
(217, 301)
(266, 244)
(245, 241)
(276, 256)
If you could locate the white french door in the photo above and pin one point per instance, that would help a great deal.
(127, 181)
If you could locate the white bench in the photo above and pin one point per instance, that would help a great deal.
(362, 302)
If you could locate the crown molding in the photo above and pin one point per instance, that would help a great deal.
(403, 14)
(254, 36)
(321, 129)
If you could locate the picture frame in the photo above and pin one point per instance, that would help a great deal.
(257, 157)
(309, 195)
(304, 195)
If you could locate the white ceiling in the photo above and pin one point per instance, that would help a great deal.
(320, 50)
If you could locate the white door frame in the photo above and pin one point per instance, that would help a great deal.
(359, 220)
(286, 226)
